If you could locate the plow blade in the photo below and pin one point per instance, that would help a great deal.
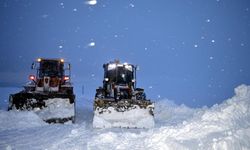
(123, 114)
(52, 108)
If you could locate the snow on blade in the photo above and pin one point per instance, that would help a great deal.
(134, 118)
(56, 108)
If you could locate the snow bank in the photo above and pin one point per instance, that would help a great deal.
(224, 126)
(19, 120)
(221, 127)
(168, 113)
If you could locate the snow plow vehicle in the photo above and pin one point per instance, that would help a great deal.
(118, 103)
(49, 94)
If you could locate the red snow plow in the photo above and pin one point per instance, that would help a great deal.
(49, 94)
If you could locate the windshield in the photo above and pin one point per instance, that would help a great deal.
(120, 75)
(51, 68)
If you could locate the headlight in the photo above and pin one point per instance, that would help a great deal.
(66, 78)
(111, 66)
(32, 77)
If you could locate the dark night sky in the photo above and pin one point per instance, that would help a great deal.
(190, 51)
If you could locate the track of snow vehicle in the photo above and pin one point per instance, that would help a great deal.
(119, 103)
(49, 94)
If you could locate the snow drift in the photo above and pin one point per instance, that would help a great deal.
(223, 126)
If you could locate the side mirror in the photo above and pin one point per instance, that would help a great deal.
(106, 80)
(67, 66)
(33, 65)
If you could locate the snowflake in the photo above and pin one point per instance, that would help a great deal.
(91, 2)
(45, 16)
(91, 44)
(131, 5)
(62, 4)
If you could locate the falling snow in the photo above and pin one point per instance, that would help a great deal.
(62, 5)
(45, 16)
(131, 5)
(91, 2)
(91, 44)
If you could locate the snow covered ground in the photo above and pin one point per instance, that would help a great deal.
(223, 126)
